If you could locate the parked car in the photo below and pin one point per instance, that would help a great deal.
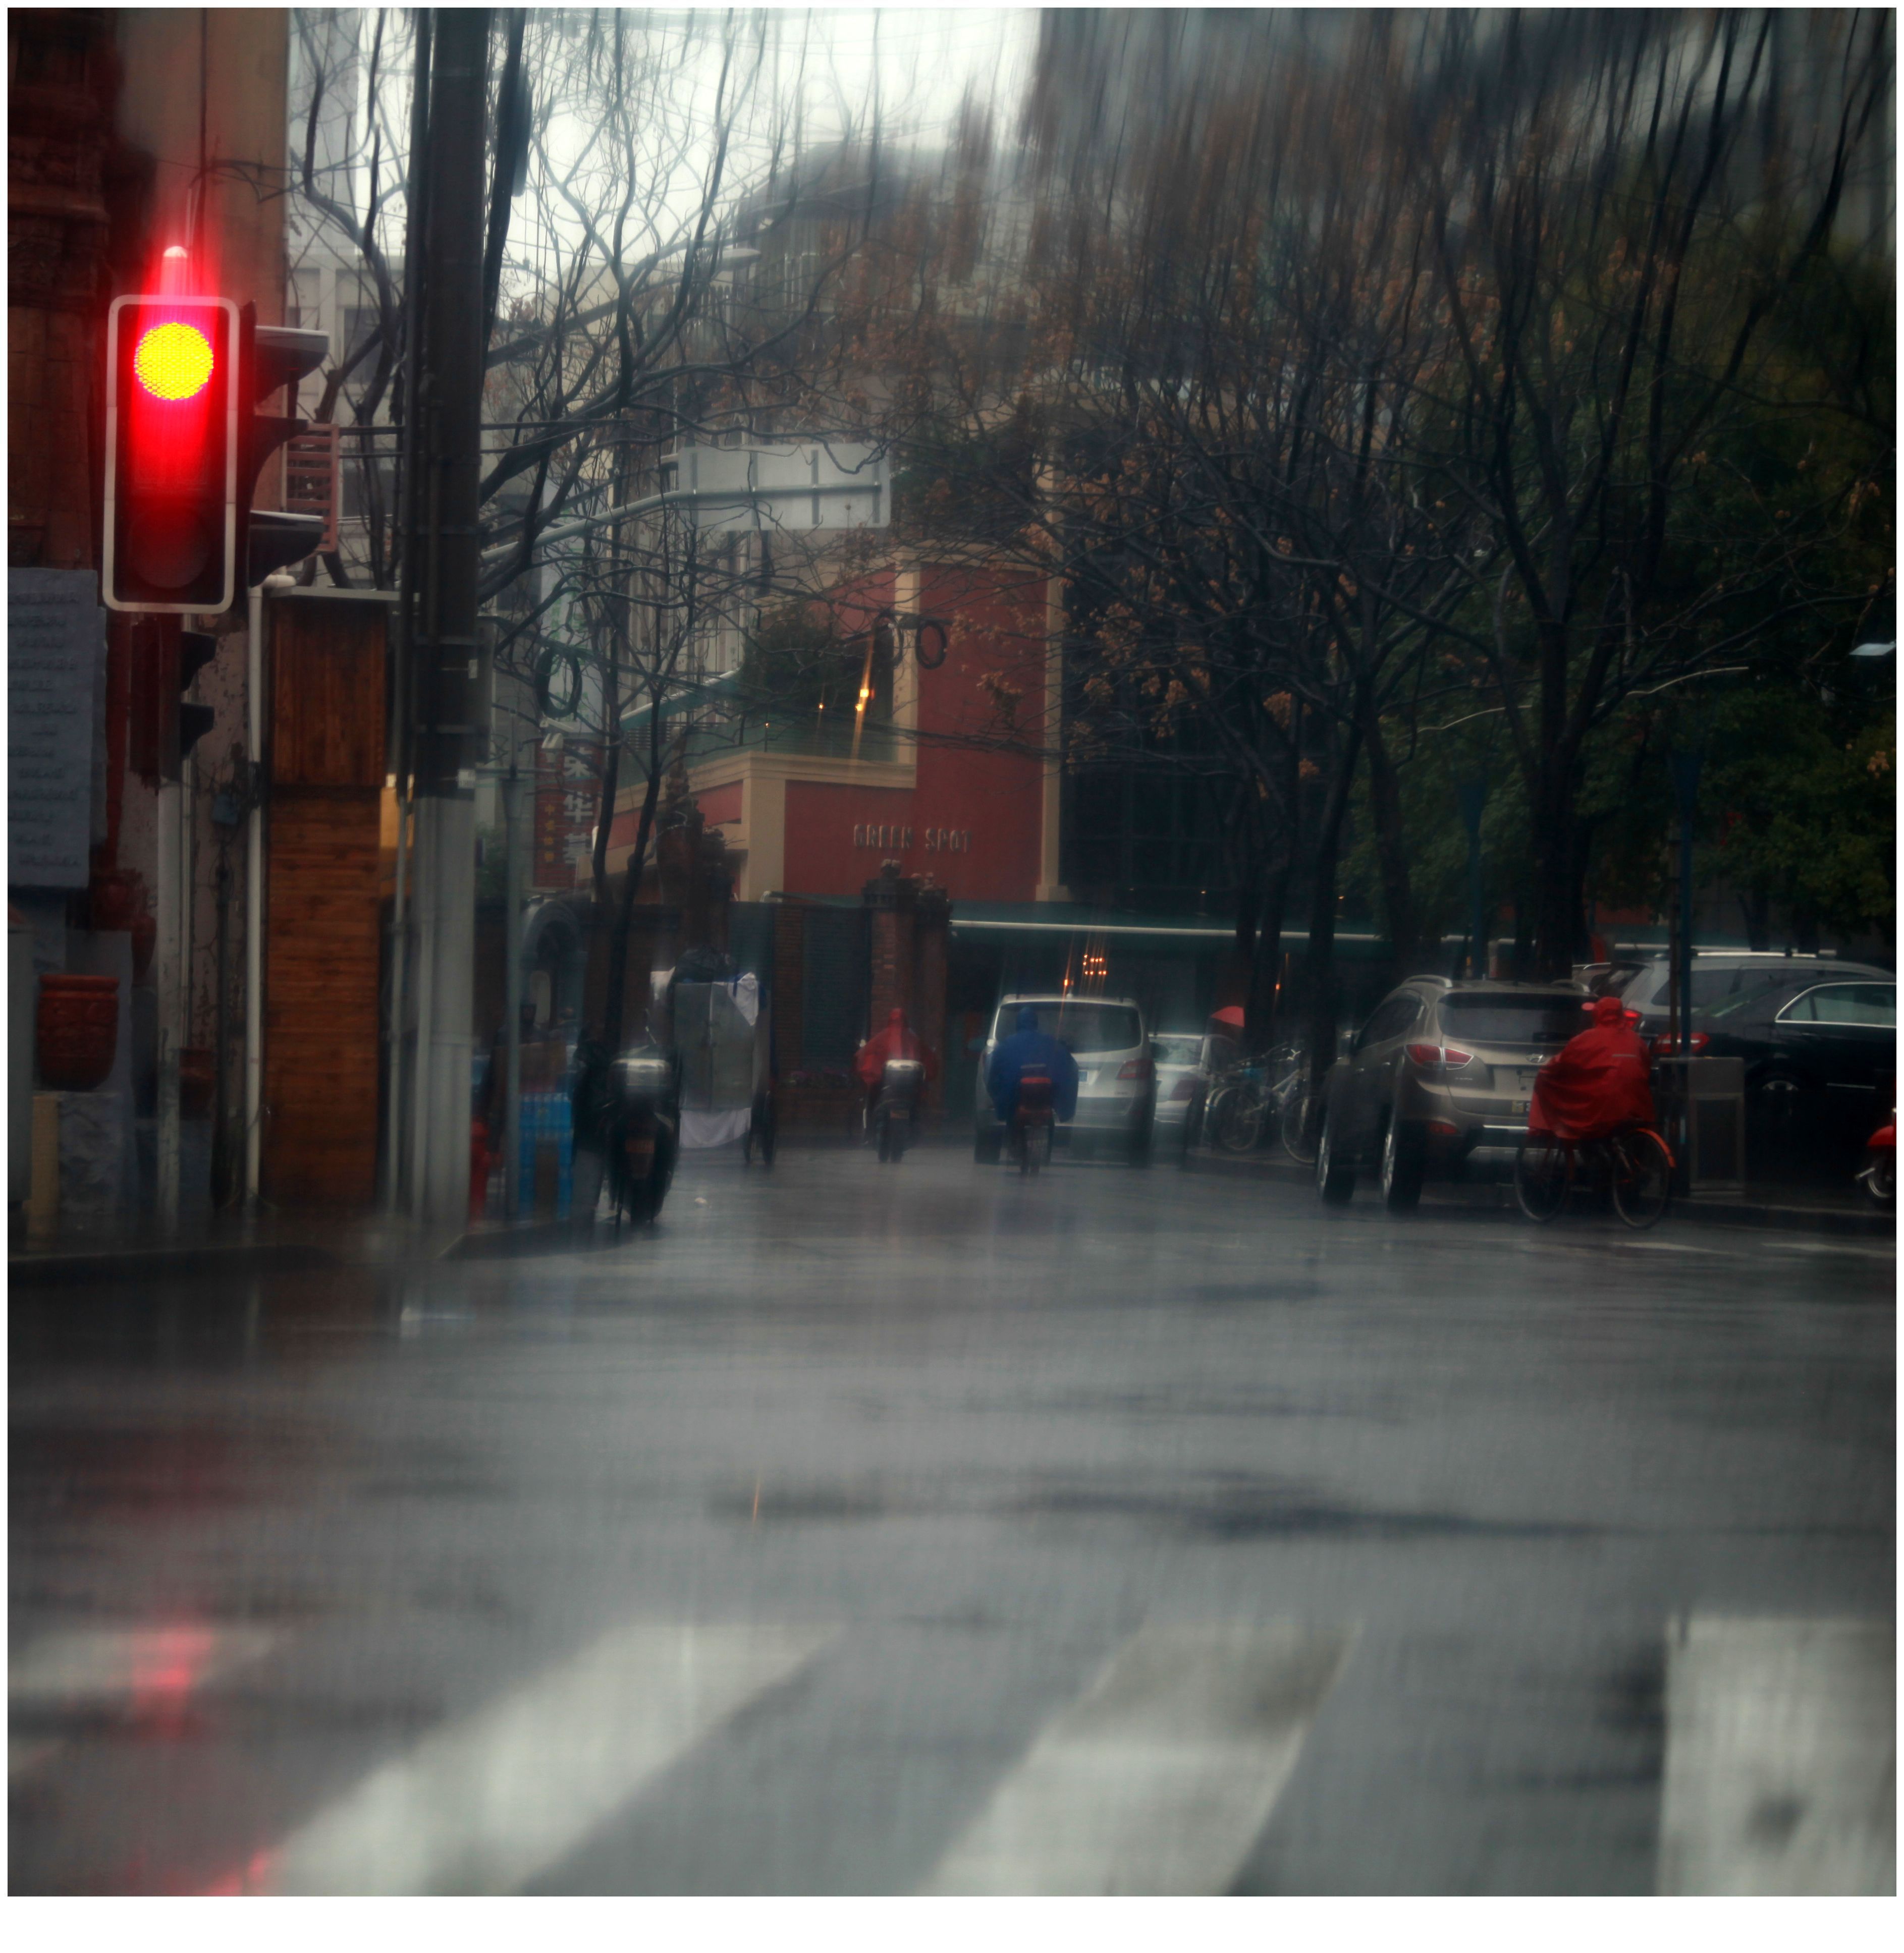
(1116, 1078)
(1187, 1066)
(1442, 1071)
(1720, 978)
(1828, 1050)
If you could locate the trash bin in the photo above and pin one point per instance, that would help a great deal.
(1701, 1106)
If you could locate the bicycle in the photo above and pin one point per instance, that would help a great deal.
(1233, 1118)
(1255, 1092)
(1635, 1165)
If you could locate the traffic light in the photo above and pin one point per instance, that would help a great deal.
(172, 453)
(163, 727)
(196, 649)
(272, 357)
(184, 445)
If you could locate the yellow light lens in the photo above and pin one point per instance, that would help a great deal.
(173, 361)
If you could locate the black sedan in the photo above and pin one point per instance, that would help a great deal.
(1814, 1052)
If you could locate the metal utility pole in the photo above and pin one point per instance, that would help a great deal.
(400, 1118)
(443, 642)
(517, 842)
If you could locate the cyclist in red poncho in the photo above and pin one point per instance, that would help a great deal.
(895, 1041)
(1598, 1084)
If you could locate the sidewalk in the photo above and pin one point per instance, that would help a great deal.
(1807, 1210)
(229, 1245)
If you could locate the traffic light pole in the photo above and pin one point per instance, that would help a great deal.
(168, 960)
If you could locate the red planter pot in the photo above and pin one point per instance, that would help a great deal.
(78, 1031)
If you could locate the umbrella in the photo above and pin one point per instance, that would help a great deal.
(1231, 1013)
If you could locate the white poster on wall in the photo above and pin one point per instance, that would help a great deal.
(55, 686)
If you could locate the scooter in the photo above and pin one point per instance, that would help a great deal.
(1033, 1121)
(643, 1135)
(895, 1117)
(1879, 1178)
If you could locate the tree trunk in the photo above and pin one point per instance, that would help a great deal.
(1559, 880)
(1392, 846)
(1320, 968)
(611, 770)
(1260, 1010)
(612, 1011)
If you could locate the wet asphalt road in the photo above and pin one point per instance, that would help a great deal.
(872, 1530)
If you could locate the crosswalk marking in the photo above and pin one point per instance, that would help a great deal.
(1158, 1780)
(1781, 1758)
(150, 1672)
(486, 1805)
(88, 1664)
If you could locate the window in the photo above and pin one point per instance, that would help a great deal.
(360, 326)
(1714, 987)
(1390, 1019)
(1875, 1005)
(1082, 1028)
(355, 490)
(1176, 1050)
(1482, 1019)
(302, 302)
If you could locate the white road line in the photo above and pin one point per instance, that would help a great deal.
(166, 1659)
(485, 1805)
(1159, 1779)
(1781, 1758)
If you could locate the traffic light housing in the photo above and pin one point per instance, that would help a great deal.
(184, 446)
(196, 649)
(271, 358)
(173, 403)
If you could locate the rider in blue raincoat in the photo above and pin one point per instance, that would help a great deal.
(1028, 1047)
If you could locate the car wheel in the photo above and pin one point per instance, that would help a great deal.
(1140, 1152)
(1334, 1178)
(1405, 1166)
(987, 1146)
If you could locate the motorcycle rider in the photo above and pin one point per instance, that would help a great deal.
(895, 1041)
(1600, 1082)
(1029, 1048)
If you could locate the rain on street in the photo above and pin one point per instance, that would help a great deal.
(855, 1531)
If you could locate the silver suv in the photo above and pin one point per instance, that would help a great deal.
(1117, 1087)
(1440, 1070)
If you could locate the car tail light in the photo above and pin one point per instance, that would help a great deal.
(1444, 1129)
(1185, 1086)
(1435, 1057)
(1136, 1067)
(1667, 1045)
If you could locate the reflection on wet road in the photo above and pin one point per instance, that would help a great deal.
(864, 1531)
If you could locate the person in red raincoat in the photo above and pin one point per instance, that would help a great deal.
(1598, 1083)
(895, 1041)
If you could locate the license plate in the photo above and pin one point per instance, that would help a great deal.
(1084, 1078)
(1516, 1105)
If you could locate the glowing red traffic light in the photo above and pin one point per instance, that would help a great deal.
(173, 361)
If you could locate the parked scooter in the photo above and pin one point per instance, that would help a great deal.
(895, 1116)
(1879, 1178)
(644, 1133)
(1033, 1121)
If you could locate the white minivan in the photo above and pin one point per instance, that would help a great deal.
(1117, 1087)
